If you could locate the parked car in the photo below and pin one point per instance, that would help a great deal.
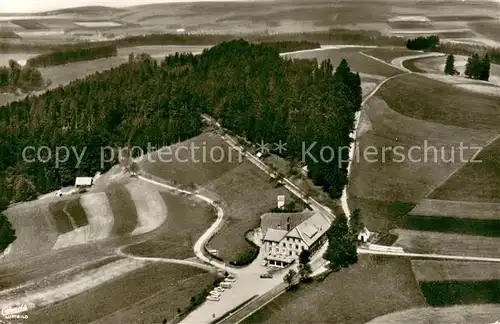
(231, 276)
(266, 275)
(212, 298)
(219, 289)
(226, 285)
(229, 280)
(263, 263)
(215, 293)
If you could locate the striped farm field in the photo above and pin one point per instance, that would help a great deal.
(449, 270)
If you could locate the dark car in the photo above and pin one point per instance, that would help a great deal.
(266, 275)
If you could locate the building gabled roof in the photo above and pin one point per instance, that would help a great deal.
(311, 229)
(274, 235)
(83, 181)
(280, 221)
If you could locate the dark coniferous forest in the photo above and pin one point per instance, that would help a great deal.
(73, 53)
(250, 88)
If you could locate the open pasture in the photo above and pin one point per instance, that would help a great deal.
(161, 289)
(36, 229)
(387, 54)
(457, 209)
(181, 165)
(405, 166)
(475, 182)
(29, 24)
(124, 209)
(186, 221)
(490, 29)
(357, 62)
(380, 215)
(391, 287)
(437, 102)
(437, 270)
(248, 193)
(17, 271)
(68, 215)
(461, 314)
(435, 65)
(447, 243)
(454, 217)
(64, 74)
(452, 292)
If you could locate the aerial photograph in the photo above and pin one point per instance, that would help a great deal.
(250, 162)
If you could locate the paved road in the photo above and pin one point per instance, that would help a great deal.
(254, 305)
(199, 246)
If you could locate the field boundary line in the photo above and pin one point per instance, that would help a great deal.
(426, 196)
(384, 62)
(430, 256)
(71, 219)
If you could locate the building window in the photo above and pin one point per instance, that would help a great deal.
(290, 253)
(297, 246)
(284, 244)
(290, 245)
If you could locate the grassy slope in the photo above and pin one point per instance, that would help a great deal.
(248, 194)
(187, 219)
(448, 243)
(62, 222)
(469, 314)
(192, 171)
(159, 289)
(373, 287)
(380, 215)
(475, 181)
(454, 292)
(16, 272)
(437, 270)
(438, 102)
(389, 54)
(408, 180)
(357, 62)
(124, 210)
(74, 208)
(64, 74)
(35, 227)
(490, 29)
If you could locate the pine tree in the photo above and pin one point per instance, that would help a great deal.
(356, 223)
(450, 65)
(342, 251)
(7, 233)
(485, 68)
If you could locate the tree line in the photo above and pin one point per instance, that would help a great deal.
(432, 43)
(15, 77)
(337, 36)
(476, 68)
(423, 43)
(296, 102)
(73, 54)
(249, 87)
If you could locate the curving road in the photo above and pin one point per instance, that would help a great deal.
(199, 246)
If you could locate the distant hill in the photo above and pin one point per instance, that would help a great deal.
(85, 10)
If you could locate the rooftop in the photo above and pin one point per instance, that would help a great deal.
(280, 221)
(83, 181)
(274, 235)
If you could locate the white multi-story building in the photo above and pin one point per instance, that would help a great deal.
(288, 234)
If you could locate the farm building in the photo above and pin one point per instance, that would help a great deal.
(364, 235)
(83, 182)
(288, 234)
